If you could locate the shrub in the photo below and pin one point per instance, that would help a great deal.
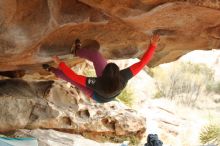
(183, 82)
(210, 134)
(89, 72)
(213, 87)
(134, 140)
(127, 96)
(159, 94)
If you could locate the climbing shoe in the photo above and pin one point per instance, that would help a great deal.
(47, 67)
(76, 46)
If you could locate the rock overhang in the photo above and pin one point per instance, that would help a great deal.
(32, 32)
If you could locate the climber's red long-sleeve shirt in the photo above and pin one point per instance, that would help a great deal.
(94, 82)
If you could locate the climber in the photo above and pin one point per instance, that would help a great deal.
(110, 80)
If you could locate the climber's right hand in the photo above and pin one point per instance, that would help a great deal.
(56, 60)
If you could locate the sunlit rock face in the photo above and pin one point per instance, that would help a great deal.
(33, 31)
(54, 105)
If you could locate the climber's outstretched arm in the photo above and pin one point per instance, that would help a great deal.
(135, 68)
(69, 73)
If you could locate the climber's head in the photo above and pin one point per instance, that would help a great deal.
(111, 78)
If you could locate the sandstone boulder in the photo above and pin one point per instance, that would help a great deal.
(54, 105)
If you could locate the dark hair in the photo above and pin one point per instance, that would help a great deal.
(111, 78)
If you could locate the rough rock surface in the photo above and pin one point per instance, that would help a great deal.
(56, 138)
(32, 31)
(55, 105)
